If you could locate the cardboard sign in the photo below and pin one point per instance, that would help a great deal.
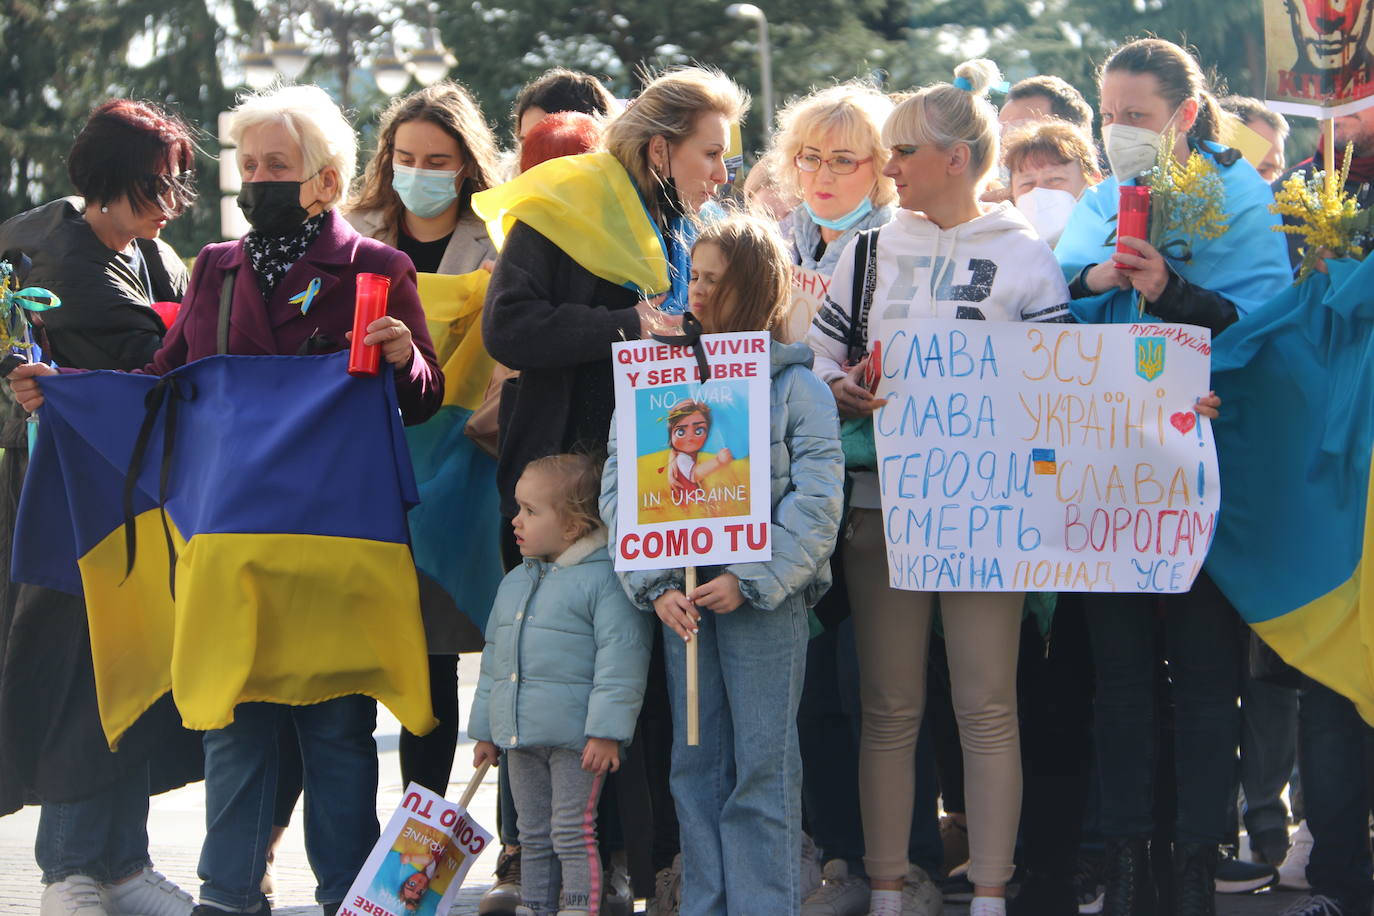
(419, 862)
(1320, 63)
(693, 458)
(1044, 457)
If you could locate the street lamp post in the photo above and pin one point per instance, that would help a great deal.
(750, 11)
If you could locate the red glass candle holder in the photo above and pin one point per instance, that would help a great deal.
(369, 306)
(1132, 220)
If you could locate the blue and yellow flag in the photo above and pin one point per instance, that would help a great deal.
(589, 207)
(280, 485)
(455, 530)
(1294, 443)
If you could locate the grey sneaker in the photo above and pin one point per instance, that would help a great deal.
(841, 894)
(78, 895)
(920, 895)
(667, 890)
(810, 866)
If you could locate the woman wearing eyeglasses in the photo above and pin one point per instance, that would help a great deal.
(101, 255)
(831, 148)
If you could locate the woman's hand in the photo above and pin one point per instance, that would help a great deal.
(652, 321)
(721, 594)
(485, 752)
(1208, 406)
(1149, 274)
(600, 755)
(851, 397)
(673, 608)
(392, 335)
(1105, 275)
(24, 383)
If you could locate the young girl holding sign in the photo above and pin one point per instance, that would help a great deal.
(562, 682)
(738, 794)
(944, 143)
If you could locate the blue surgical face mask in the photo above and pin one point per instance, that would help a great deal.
(425, 192)
(845, 222)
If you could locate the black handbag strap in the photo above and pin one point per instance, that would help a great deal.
(226, 305)
(861, 296)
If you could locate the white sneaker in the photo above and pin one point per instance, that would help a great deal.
(1293, 871)
(920, 896)
(810, 866)
(148, 894)
(840, 895)
(79, 895)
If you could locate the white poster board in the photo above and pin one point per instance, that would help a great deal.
(419, 863)
(692, 456)
(1044, 457)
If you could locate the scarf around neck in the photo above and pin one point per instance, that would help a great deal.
(272, 257)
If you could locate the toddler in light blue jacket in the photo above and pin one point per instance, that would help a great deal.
(562, 681)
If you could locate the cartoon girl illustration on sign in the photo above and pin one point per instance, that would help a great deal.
(686, 481)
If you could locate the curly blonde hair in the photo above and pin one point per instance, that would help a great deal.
(854, 113)
(578, 480)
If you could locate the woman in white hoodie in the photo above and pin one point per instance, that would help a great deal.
(945, 255)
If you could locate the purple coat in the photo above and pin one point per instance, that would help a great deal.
(278, 327)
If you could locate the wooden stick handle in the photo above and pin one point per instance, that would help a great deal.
(473, 783)
(689, 576)
(1329, 153)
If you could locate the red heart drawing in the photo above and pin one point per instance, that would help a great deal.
(1184, 422)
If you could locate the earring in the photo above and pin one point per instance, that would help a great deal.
(104, 209)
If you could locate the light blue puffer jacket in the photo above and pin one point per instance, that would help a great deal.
(566, 654)
(807, 483)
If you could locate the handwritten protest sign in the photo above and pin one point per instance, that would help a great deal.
(1320, 62)
(1048, 457)
(419, 863)
(693, 456)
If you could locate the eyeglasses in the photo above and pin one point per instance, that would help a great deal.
(838, 165)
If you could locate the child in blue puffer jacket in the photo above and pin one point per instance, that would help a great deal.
(738, 794)
(562, 681)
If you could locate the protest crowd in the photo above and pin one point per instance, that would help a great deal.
(853, 743)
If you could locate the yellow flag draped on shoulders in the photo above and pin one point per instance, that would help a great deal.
(589, 207)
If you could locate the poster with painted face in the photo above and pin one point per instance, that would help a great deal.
(1319, 59)
(692, 455)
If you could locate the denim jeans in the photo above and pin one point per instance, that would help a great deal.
(1334, 746)
(1268, 750)
(1202, 644)
(339, 758)
(738, 794)
(103, 836)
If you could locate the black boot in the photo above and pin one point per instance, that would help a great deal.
(1195, 869)
(1044, 895)
(1128, 879)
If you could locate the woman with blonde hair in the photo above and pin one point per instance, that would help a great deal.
(943, 141)
(830, 154)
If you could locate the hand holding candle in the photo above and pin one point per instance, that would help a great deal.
(1132, 220)
(376, 335)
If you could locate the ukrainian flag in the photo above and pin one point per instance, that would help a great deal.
(590, 208)
(1294, 442)
(457, 480)
(281, 485)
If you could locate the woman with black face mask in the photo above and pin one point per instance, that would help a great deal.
(290, 287)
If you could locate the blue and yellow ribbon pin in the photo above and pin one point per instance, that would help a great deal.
(306, 297)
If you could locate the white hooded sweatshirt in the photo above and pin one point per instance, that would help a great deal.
(993, 268)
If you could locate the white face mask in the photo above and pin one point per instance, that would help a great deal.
(1048, 210)
(1132, 151)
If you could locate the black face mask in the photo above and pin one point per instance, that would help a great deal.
(272, 208)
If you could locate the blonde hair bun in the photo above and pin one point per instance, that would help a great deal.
(981, 75)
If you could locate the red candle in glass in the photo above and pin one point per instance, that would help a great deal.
(1132, 220)
(369, 306)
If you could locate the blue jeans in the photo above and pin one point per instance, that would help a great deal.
(1268, 750)
(1202, 644)
(339, 758)
(738, 794)
(1334, 746)
(104, 836)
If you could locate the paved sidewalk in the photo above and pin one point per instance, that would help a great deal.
(177, 823)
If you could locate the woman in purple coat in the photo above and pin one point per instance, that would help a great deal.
(289, 285)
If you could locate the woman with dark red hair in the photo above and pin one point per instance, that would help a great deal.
(563, 133)
(101, 255)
